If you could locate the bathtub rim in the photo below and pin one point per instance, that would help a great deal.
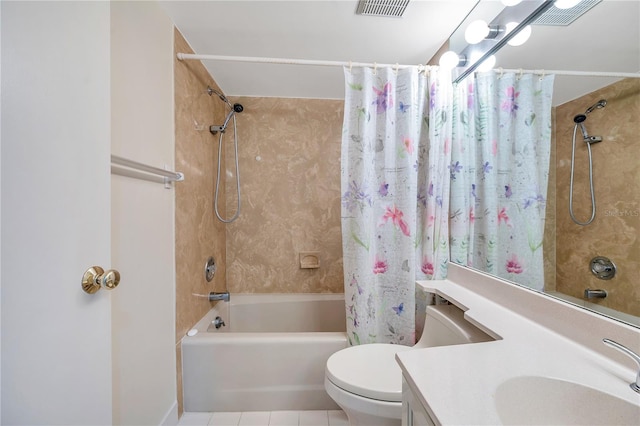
(221, 308)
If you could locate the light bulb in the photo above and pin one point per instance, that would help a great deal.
(449, 60)
(520, 38)
(510, 2)
(565, 4)
(476, 32)
(486, 65)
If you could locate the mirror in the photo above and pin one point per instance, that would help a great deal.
(604, 39)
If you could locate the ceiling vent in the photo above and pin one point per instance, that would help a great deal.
(384, 8)
(563, 17)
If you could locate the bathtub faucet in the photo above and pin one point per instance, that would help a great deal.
(219, 296)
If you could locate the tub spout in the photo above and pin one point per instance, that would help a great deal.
(219, 296)
(595, 294)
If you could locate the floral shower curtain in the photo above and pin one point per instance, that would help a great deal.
(432, 171)
(499, 171)
(393, 215)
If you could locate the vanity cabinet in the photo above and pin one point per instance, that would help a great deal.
(413, 413)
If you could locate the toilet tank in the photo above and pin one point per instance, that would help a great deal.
(445, 325)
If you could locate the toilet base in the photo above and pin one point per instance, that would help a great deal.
(362, 419)
(364, 411)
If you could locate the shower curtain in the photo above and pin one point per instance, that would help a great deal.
(394, 221)
(432, 171)
(499, 171)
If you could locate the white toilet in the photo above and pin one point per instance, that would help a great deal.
(366, 381)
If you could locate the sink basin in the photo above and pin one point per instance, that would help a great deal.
(532, 400)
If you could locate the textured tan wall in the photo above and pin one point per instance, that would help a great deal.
(198, 234)
(549, 243)
(615, 231)
(289, 151)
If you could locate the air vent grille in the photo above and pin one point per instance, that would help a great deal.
(384, 8)
(563, 17)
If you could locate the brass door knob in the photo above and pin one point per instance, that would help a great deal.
(95, 278)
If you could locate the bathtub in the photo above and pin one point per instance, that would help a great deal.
(270, 355)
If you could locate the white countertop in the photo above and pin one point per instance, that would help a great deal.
(457, 384)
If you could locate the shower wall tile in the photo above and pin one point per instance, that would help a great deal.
(198, 234)
(549, 242)
(615, 232)
(289, 154)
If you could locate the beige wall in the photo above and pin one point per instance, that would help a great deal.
(198, 234)
(549, 244)
(616, 228)
(289, 153)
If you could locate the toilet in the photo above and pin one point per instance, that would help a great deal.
(366, 381)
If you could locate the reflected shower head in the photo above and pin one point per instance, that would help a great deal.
(600, 104)
(212, 91)
(580, 118)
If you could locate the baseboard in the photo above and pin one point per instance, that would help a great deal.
(171, 418)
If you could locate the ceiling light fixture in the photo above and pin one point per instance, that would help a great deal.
(520, 38)
(486, 65)
(531, 10)
(450, 60)
(479, 30)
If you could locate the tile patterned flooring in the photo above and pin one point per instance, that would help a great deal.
(266, 418)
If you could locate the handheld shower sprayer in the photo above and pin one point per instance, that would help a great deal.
(235, 109)
(579, 122)
(581, 118)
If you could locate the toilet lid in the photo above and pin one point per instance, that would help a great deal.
(370, 371)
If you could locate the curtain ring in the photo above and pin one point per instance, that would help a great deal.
(542, 76)
(501, 71)
(396, 69)
(520, 73)
(375, 68)
(350, 66)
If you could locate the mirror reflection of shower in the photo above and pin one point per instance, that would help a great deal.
(588, 140)
(234, 109)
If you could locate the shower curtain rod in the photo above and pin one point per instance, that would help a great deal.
(253, 59)
(574, 73)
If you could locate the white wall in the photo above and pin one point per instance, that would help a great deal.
(143, 306)
(0, 229)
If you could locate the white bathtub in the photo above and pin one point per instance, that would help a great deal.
(270, 355)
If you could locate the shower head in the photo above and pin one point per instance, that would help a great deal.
(580, 118)
(212, 91)
(600, 104)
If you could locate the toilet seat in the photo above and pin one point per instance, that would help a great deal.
(370, 371)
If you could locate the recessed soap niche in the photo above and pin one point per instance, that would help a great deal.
(309, 259)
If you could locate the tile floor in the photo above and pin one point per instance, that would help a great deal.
(266, 418)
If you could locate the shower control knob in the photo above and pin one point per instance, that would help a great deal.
(218, 322)
(96, 278)
(210, 268)
(603, 268)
